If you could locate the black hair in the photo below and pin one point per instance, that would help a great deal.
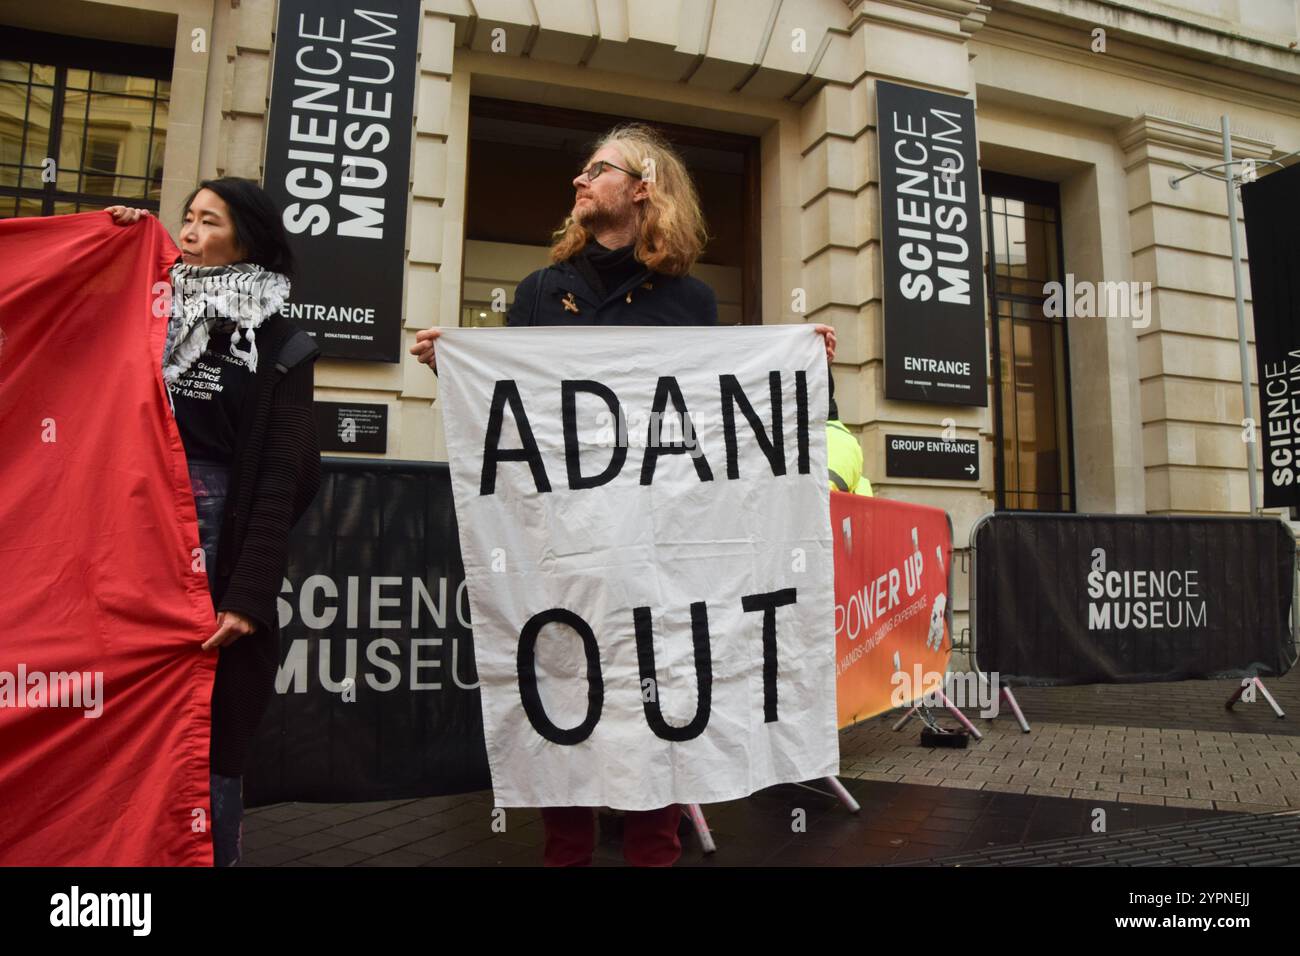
(258, 227)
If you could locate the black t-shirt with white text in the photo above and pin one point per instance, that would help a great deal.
(209, 399)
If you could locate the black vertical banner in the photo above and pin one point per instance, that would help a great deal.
(930, 240)
(1272, 211)
(338, 159)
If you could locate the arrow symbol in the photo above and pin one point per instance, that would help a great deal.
(970, 469)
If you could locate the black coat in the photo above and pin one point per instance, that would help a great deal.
(670, 300)
(274, 477)
(655, 299)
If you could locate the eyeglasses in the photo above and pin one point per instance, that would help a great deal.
(598, 167)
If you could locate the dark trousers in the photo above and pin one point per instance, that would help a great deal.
(649, 836)
(209, 483)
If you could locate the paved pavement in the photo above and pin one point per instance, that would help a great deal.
(781, 826)
(1184, 705)
(1224, 840)
(1149, 755)
(1209, 770)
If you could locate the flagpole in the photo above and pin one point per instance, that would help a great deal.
(1247, 409)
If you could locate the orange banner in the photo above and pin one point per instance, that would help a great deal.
(891, 599)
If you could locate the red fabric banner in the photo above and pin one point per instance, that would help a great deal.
(891, 599)
(104, 691)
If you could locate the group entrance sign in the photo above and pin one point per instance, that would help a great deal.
(922, 456)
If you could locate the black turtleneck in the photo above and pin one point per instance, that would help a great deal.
(606, 269)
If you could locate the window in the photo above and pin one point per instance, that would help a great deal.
(101, 166)
(83, 124)
(1035, 466)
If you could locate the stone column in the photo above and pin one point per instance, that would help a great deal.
(246, 95)
(435, 229)
(197, 55)
(1195, 456)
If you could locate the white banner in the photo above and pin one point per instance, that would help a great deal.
(653, 616)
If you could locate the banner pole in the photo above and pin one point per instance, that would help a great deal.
(696, 816)
(1231, 184)
(844, 796)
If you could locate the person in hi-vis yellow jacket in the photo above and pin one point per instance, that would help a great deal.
(844, 455)
(844, 460)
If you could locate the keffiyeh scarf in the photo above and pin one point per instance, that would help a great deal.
(206, 297)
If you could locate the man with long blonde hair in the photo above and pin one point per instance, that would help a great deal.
(623, 254)
(668, 231)
(621, 257)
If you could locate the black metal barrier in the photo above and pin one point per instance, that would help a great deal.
(377, 693)
(1084, 599)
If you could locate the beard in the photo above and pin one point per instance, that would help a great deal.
(594, 215)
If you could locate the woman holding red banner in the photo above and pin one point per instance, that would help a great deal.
(240, 378)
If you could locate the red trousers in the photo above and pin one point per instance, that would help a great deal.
(649, 836)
